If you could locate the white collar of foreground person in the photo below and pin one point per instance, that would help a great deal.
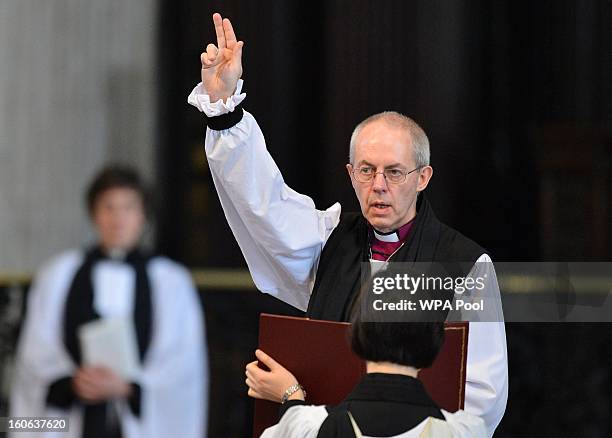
(304, 421)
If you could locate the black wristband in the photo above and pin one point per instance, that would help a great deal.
(289, 404)
(60, 393)
(135, 399)
(225, 121)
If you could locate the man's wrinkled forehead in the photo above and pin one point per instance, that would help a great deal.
(379, 138)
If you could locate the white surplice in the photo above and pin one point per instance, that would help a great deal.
(304, 422)
(174, 375)
(281, 234)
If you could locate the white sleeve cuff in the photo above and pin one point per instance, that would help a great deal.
(201, 100)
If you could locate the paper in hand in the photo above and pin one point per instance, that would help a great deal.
(111, 343)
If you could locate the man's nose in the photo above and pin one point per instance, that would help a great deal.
(379, 183)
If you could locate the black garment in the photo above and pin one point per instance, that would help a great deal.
(338, 279)
(382, 405)
(79, 310)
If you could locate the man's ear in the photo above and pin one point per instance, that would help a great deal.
(425, 175)
(349, 169)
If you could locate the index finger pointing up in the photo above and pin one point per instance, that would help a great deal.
(219, 30)
(230, 36)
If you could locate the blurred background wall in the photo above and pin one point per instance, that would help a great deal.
(515, 97)
(77, 89)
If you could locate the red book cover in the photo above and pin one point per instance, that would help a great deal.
(319, 355)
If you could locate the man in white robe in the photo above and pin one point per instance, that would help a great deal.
(283, 236)
(172, 380)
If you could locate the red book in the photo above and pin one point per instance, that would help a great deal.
(319, 355)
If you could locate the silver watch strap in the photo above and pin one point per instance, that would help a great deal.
(292, 390)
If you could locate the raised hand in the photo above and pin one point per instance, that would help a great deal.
(222, 64)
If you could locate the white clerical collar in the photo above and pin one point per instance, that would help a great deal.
(117, 254)
(392, 236)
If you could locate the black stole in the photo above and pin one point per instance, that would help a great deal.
(79, 310)
(338, 279)
(382, 405)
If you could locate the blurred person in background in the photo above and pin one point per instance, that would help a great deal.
(114, 278)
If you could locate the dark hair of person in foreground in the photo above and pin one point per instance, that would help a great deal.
(414, 344)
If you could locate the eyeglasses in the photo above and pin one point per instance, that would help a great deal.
(394, 175)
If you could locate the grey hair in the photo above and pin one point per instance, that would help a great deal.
(420, 142)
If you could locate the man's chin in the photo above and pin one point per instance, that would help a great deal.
(380, 224)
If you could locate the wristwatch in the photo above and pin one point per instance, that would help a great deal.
(292, 390)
